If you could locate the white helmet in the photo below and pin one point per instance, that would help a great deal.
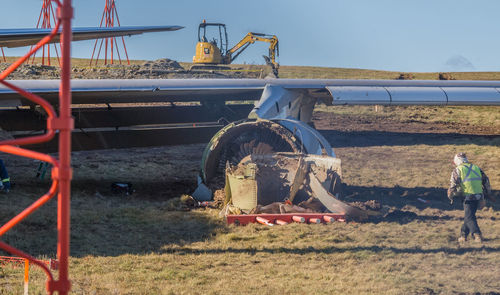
(460, 158)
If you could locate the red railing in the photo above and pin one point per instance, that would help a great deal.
(16, 261)
(61, 171)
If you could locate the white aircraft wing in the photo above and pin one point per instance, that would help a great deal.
(26, 37)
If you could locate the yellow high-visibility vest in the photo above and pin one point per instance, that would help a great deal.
(470, 175)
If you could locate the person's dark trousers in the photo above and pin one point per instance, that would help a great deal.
(470, 222)
(4, 175)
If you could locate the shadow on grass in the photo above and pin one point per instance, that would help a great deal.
(333, 250)
(113, 227)
(419, 197)
(149, 190)
(342, 139)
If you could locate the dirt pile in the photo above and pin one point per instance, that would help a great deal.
(445, 76)
(405, 76)
(158, 69)
(28, 71)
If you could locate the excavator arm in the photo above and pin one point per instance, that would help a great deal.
(250, 38)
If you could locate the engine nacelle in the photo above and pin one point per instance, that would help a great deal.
(237, 140)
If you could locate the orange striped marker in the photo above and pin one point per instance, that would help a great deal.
(314, 220)
(298, 219)
(26, 276)
(262, 220)
(328, 219)
(281, 222)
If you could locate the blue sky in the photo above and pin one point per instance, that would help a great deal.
(397, 35)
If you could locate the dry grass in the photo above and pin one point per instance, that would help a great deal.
(475, 115)
(135, 245)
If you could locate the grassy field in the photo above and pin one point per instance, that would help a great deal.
(135, 245)
(138, 245)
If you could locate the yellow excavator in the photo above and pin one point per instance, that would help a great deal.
(210, 53)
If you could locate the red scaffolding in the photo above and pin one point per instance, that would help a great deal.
(61, 173)
(46, 18)
(109, 15)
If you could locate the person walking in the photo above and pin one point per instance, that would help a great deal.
(471, 183)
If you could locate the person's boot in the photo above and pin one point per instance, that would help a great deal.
(478, 238)
(462, 239)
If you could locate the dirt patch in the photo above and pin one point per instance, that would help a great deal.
(359, 123)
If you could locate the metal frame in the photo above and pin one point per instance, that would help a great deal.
(61, 173)
(16, 261)
(47, 16)
(109, 14)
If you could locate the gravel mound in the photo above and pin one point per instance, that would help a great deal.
(158, 69)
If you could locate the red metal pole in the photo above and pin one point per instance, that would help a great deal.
(65, 172)
(123, 40)
(61, 172)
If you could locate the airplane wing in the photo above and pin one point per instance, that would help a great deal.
(127, 113)
(26, 37)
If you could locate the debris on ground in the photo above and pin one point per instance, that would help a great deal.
(122, 188)
(182, 203)
(282, 183)
(287, 183)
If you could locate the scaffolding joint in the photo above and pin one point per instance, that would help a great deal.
(61, 173)
(63, 124)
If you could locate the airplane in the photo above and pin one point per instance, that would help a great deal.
(152, 112)
(141, 112)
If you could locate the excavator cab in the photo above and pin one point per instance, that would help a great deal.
(212, 43)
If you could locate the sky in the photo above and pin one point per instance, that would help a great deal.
(394, 35)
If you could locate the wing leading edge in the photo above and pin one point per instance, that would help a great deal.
(26, 37)
(340, 92)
